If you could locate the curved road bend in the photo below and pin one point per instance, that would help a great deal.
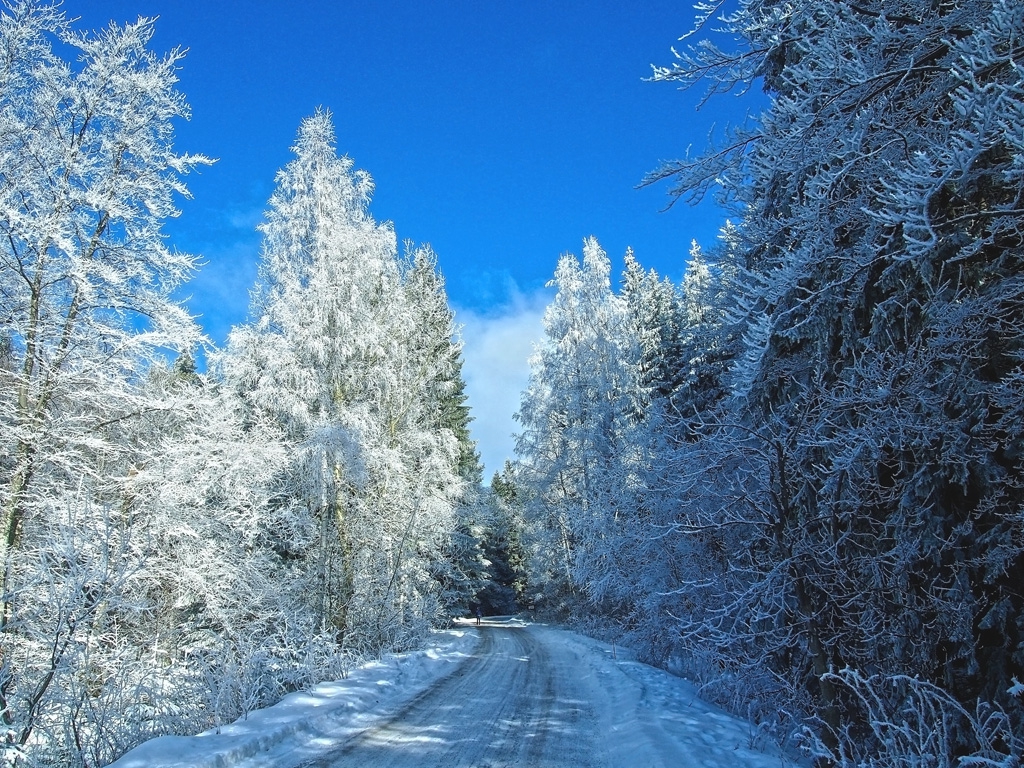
(516, 701)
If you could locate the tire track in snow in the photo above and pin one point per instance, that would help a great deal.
(509, 704)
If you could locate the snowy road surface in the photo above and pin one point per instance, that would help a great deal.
(516, 695)
(515, 701)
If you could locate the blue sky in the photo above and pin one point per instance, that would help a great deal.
(501, 133)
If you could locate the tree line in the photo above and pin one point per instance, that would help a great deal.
(179, 545)
(796, 475)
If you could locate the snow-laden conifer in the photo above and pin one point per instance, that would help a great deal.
(352, 353)
(881, 239)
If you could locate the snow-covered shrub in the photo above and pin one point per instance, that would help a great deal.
(916, 724)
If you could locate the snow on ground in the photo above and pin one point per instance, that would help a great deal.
(654, 718)
(343, 707)
(646, 716)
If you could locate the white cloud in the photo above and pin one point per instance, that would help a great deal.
(497, 345)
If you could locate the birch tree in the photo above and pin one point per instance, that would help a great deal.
(88, 175)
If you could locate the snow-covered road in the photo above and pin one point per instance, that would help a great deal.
(516, 700)
(508, 694)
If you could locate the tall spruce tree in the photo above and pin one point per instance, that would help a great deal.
(353, 354)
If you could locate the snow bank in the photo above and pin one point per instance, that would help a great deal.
(338, 709)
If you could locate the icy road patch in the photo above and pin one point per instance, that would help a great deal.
(507, 694)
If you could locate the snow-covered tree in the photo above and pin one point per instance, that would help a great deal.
(578, 449)
(685, 333)
(87, 177)
(439, 390)
(882, 360)
(209, 616)
(352, 353)
(505, 591)
(655, 317)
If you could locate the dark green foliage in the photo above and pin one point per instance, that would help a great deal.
(504, 556)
